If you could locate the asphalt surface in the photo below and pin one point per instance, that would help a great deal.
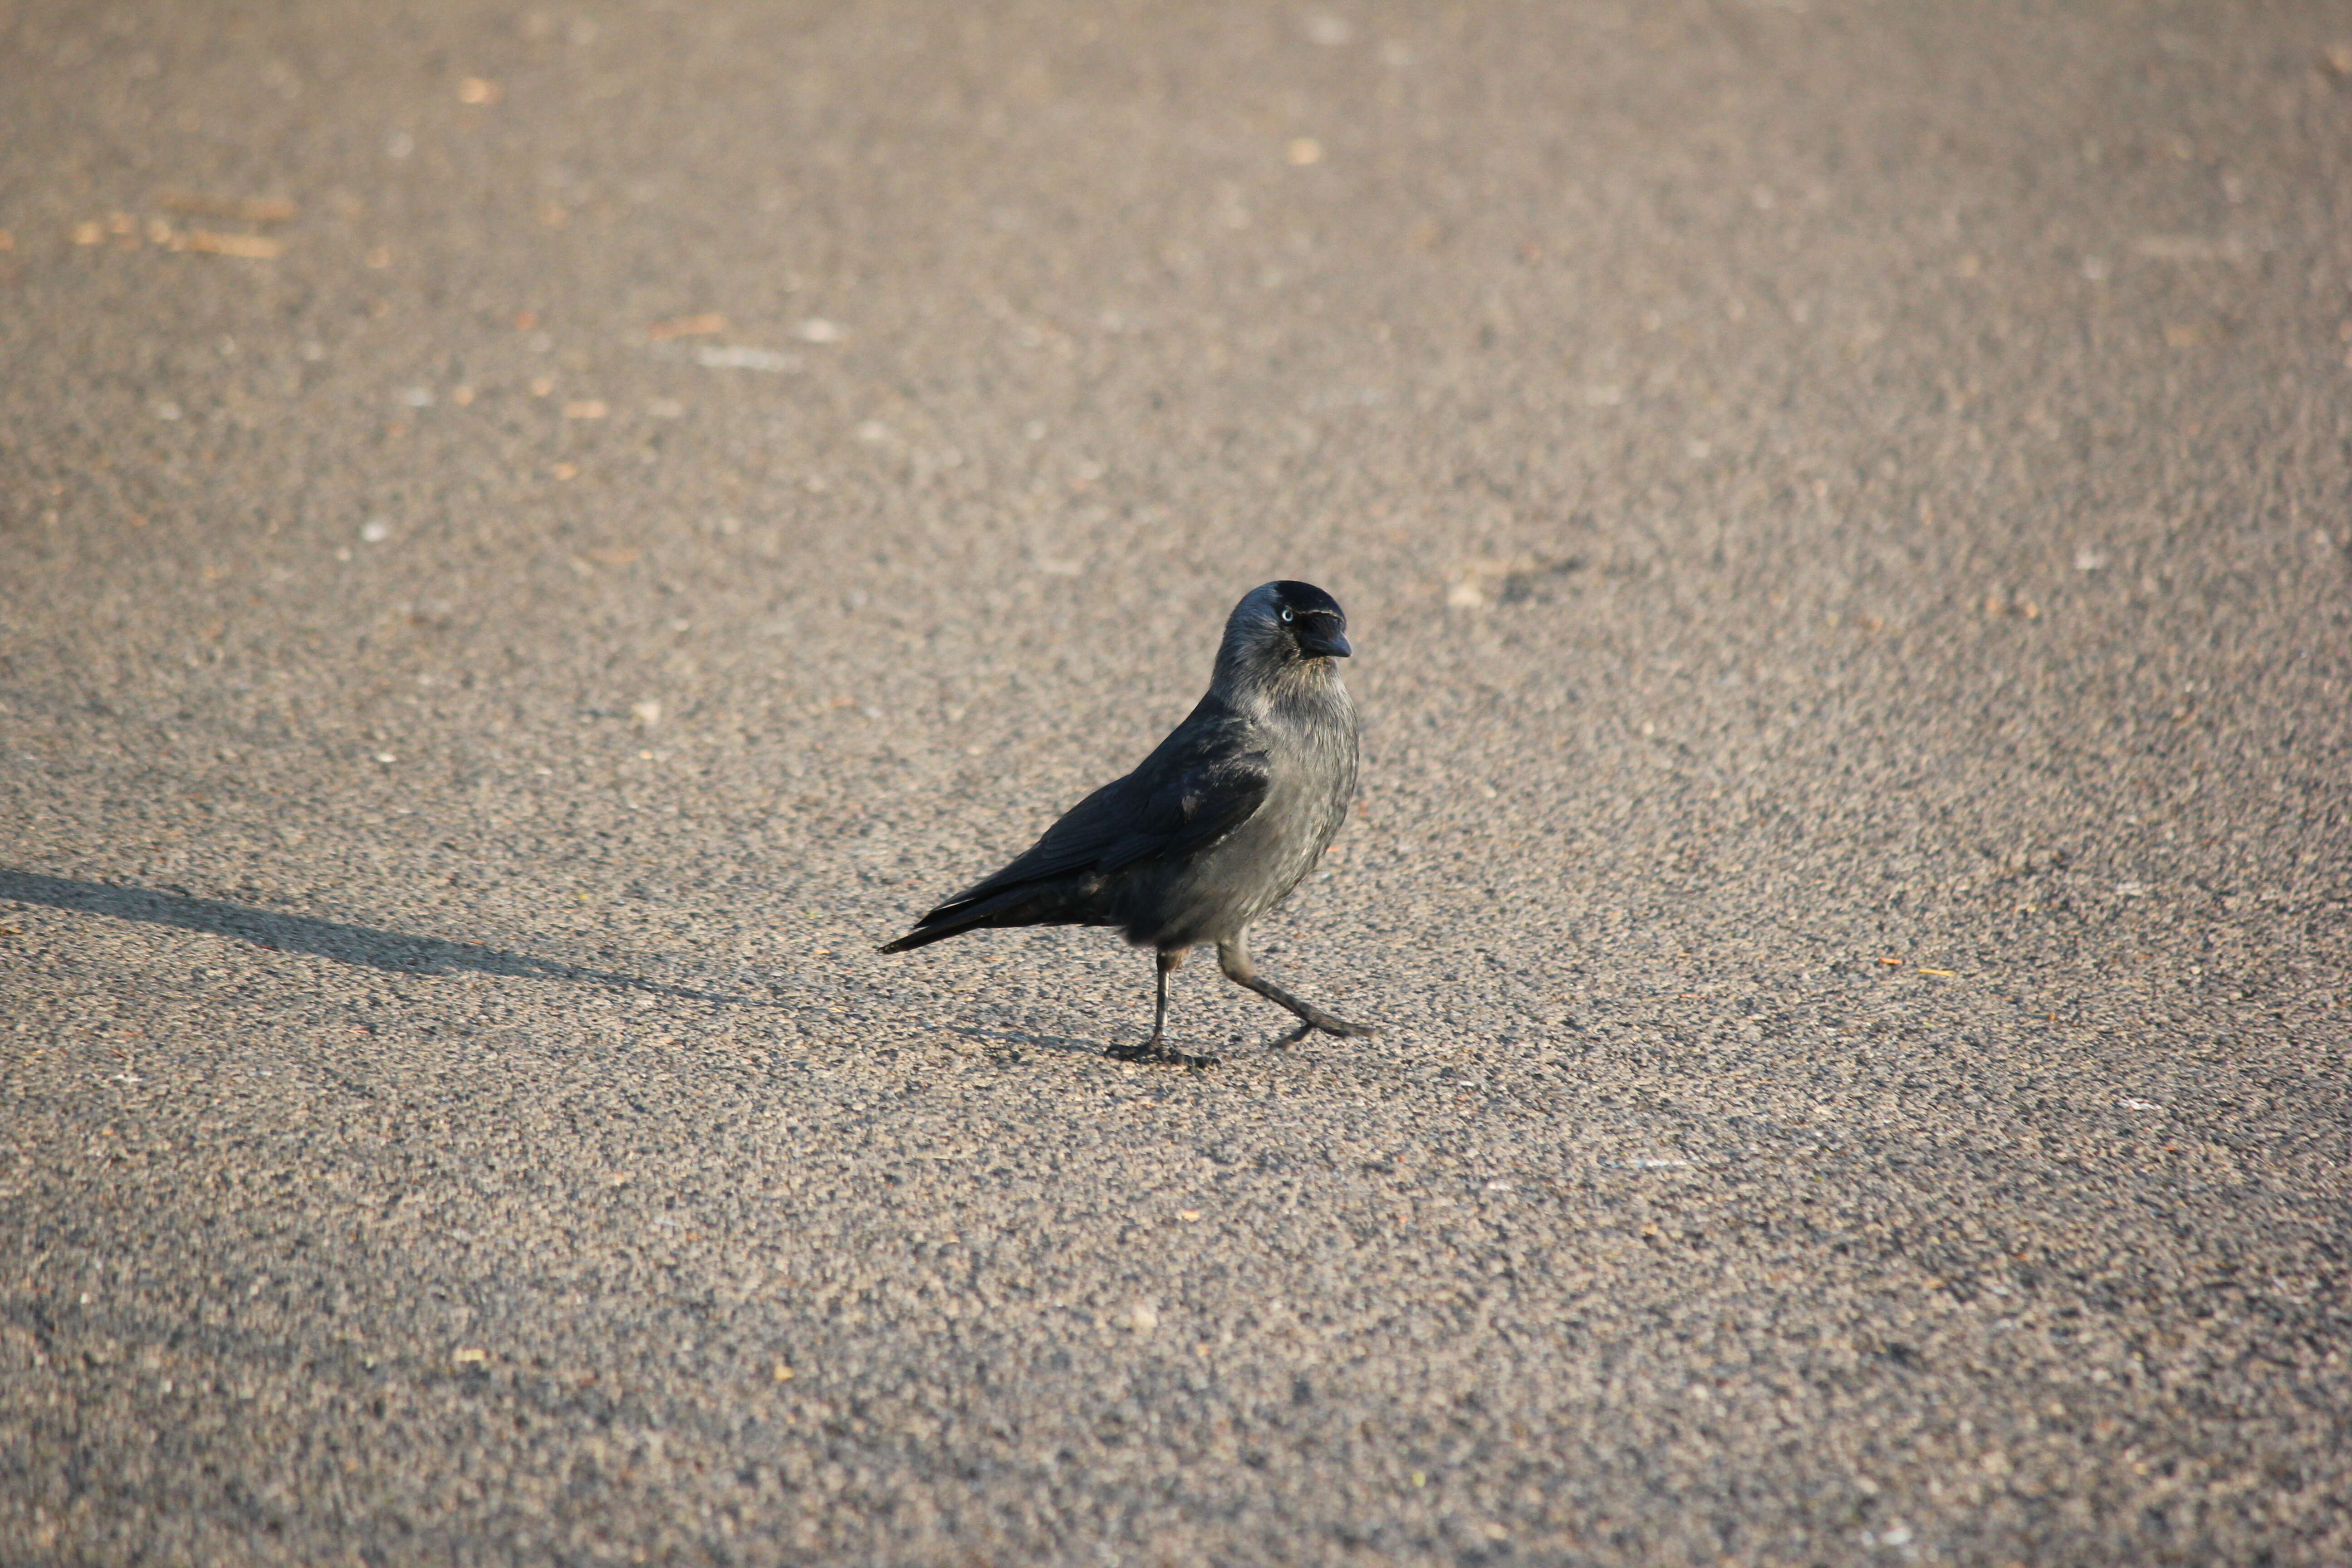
(1843, 510)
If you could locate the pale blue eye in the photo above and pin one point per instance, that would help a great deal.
(1285, 615)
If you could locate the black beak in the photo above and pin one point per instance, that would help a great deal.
(1317, 643)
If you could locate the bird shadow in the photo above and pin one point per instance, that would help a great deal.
(1063, 1044)
(395, 952)
(1066, 1045)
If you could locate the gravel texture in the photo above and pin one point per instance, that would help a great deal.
(1843, 510)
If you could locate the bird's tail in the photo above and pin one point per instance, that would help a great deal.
(923, 936)
(959, 915)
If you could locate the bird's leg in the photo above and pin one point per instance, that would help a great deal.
(1233, 957)
(1166, 961)
(1155, 1049)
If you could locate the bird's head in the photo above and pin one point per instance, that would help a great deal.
(1279, 626)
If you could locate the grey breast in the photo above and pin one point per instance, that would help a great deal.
(1310, 748)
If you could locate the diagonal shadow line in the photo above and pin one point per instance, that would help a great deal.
(394, 951)
(1069, 1045)
(1065, 1044)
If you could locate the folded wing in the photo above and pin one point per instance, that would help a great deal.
(1190, 792)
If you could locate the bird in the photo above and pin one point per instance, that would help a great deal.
(1215, 827)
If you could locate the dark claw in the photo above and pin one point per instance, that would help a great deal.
(1318, 1019)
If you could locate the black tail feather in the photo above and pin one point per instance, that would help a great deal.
(1011, 907)
(923, 936)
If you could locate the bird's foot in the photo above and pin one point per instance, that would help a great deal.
(1316, 1018)
(1156, 1049)
(1328, 1025)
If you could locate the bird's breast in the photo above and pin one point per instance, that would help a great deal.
(1311, 770)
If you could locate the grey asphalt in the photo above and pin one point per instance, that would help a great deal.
(532, 540)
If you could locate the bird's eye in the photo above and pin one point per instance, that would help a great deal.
(1286, 613)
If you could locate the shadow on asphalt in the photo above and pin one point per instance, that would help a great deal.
(393, 952)
(1065, 1045)
(1062, 1044)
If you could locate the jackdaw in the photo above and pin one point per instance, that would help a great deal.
(1214, 829)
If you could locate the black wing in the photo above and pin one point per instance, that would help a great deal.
(1151, 814)
(1197, 786)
